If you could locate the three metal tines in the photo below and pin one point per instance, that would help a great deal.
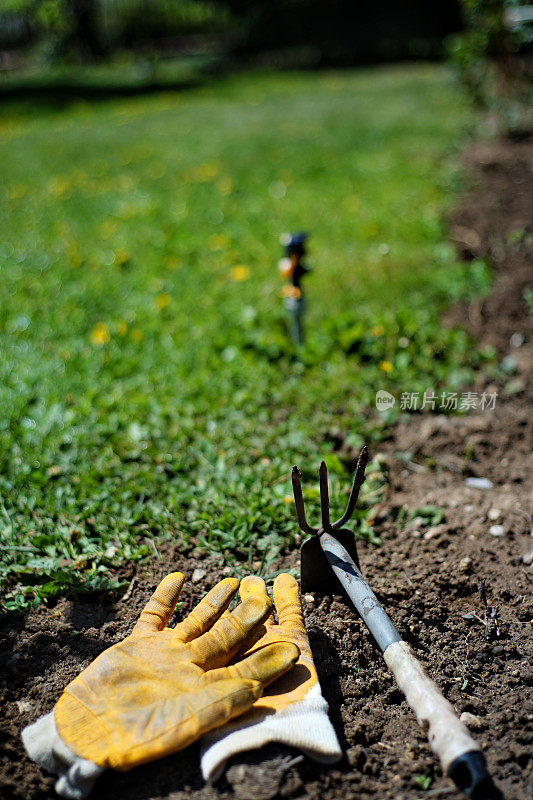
(328, 526)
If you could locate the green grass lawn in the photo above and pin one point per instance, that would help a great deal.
(147, 388)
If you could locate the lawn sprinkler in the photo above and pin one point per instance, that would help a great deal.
(293, 269)
(331, 547)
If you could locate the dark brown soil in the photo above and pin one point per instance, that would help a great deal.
(427, 577)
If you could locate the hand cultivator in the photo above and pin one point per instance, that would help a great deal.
(333, 545)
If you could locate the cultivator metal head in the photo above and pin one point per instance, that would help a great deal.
(316, 576)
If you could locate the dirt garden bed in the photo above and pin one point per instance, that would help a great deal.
(427, 575)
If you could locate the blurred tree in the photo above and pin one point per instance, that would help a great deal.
(91, 29)
(62, 25)
(347, 32)
(299, 31)
(492, 57)
(84, 31)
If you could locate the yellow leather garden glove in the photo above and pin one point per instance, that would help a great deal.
(159, 689)
(292, 710)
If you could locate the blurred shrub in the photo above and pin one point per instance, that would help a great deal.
(493, 55)
(126, 22)
(342, 33)
(285, 32)
(93, 29)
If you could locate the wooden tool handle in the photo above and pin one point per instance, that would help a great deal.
(460, 755)
(447, 735)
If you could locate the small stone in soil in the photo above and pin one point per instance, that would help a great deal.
(479, 483)
(435, 530)
(465, 564)
(356, 756)
(471, 721)
(496, 530)
(198, 574)
(527, 558)
(309, 598)
(494, 514)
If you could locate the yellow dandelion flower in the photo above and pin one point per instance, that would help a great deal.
(224, 185)
(74, 257)
(62, 230)
(385, 366)
(16, 191)
(78, 177)
(240, 273)
(172, 262)
(377, 330)
(59, 187)
(162, 301)
(100, 334)
(219, 241)
(121, 256)
(108, 228)
(127, 210)
(369, 229)
(143, 150)
(287, 178)
(156, 170)
(288, 499)
(6, 125)
(351, 203)
(125, 182)
(206, 172)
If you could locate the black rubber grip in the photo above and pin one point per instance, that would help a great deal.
(470, 774)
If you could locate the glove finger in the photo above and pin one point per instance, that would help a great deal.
(207, 611)
(162, 603)
(264, 665)
(253, 586)
(215, 648)
(287, 602)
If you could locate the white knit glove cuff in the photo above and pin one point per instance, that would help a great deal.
(44, 746)
(304, 725)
